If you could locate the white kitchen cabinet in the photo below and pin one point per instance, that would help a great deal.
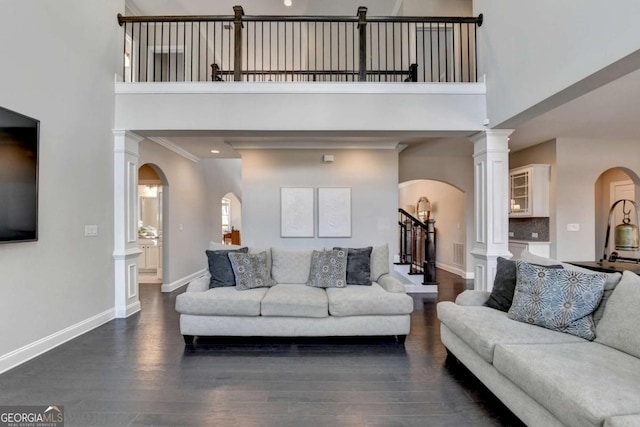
(148, 260)
(529, 191)
(516, 247)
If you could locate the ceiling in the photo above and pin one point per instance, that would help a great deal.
(609, 111)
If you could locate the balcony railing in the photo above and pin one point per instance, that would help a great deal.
(239, 47)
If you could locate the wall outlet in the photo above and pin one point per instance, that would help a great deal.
(511, 234)
(573, 227)
(534, 235)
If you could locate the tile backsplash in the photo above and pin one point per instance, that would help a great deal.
(522, 228)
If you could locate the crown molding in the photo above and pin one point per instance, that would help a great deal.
(176, 149)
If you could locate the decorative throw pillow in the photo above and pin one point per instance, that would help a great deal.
(251, 270)
(328, 269)
(220, 268)
(557, 299)
(504, 284)
(358, 265)
(619, 325)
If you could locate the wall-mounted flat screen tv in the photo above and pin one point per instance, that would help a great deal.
(18, 177)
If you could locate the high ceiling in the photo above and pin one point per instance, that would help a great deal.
(610, 111)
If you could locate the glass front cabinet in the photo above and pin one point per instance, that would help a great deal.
(529, 191)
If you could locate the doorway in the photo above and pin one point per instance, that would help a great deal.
(151, 236)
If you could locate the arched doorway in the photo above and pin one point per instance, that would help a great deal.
(448, 209)
(612, 185)
(152, 215)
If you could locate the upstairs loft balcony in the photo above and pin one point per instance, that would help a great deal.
(299, 48)
(299, 73)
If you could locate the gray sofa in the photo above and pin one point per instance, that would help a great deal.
(549, 378)
(292, 309)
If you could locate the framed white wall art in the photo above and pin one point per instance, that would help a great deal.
(296, 212)
(334, 212)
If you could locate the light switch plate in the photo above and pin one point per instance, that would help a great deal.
(573, 227)
(90, 230)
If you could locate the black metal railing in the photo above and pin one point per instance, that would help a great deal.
(239, 47)
(418, 246)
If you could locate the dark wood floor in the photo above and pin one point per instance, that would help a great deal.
(137, 372)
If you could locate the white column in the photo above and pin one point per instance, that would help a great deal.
(126, 252)
(491, 204)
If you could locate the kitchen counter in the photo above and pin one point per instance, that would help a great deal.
(516, 247)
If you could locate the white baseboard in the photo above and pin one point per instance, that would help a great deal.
(128, 310)
(170, 287)
(36, 348)
(455, 270)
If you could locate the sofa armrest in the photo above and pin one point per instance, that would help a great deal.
(200, 284)
(470, 297)
(391, 284)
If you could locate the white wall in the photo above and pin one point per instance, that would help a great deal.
(222, 176)
(449, 161)
(186, 223)
(579, 165)
(437, 8)
(65, 56)
(521, 40)
(447, 208)
(371, 174)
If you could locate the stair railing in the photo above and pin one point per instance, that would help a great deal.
(418, 246)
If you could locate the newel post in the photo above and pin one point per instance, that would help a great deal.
(238, 12)
(362, 26)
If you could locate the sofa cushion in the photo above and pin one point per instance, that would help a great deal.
(582, 384)
(367, 300)
(358, 266)
(224, 301)
(251, 270)
(623, 421)
(620, 324)
(291, 300)
(482, 328)
(379, 261)
(328, 269)
(288, 266)
(557, 299)
(220, 267)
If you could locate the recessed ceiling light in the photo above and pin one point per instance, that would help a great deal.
(287, 3)
(215, 151)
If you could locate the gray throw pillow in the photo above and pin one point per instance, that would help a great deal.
(220, 267)
(251, 270)
(504, 284)
(358, 265)
(557, 299)
(328, 269)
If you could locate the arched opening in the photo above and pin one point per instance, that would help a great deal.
(612, 185)
(447, 208)
(231, 219)
(152, 214)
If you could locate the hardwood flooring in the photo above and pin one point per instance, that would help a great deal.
(137, 372)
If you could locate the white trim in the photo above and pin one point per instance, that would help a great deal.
(453, 269)
(301, 88)
(132, 308)
(173, 147)
(170, 287)
(128, 253)
(14, 358)
(315, 145)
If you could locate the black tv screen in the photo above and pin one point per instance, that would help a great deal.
(18, 177)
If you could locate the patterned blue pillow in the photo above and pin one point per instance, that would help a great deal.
(561, 300)
(251, 270)
(328, 269)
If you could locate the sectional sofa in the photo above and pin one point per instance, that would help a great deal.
(550, 378)
(290, 308)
